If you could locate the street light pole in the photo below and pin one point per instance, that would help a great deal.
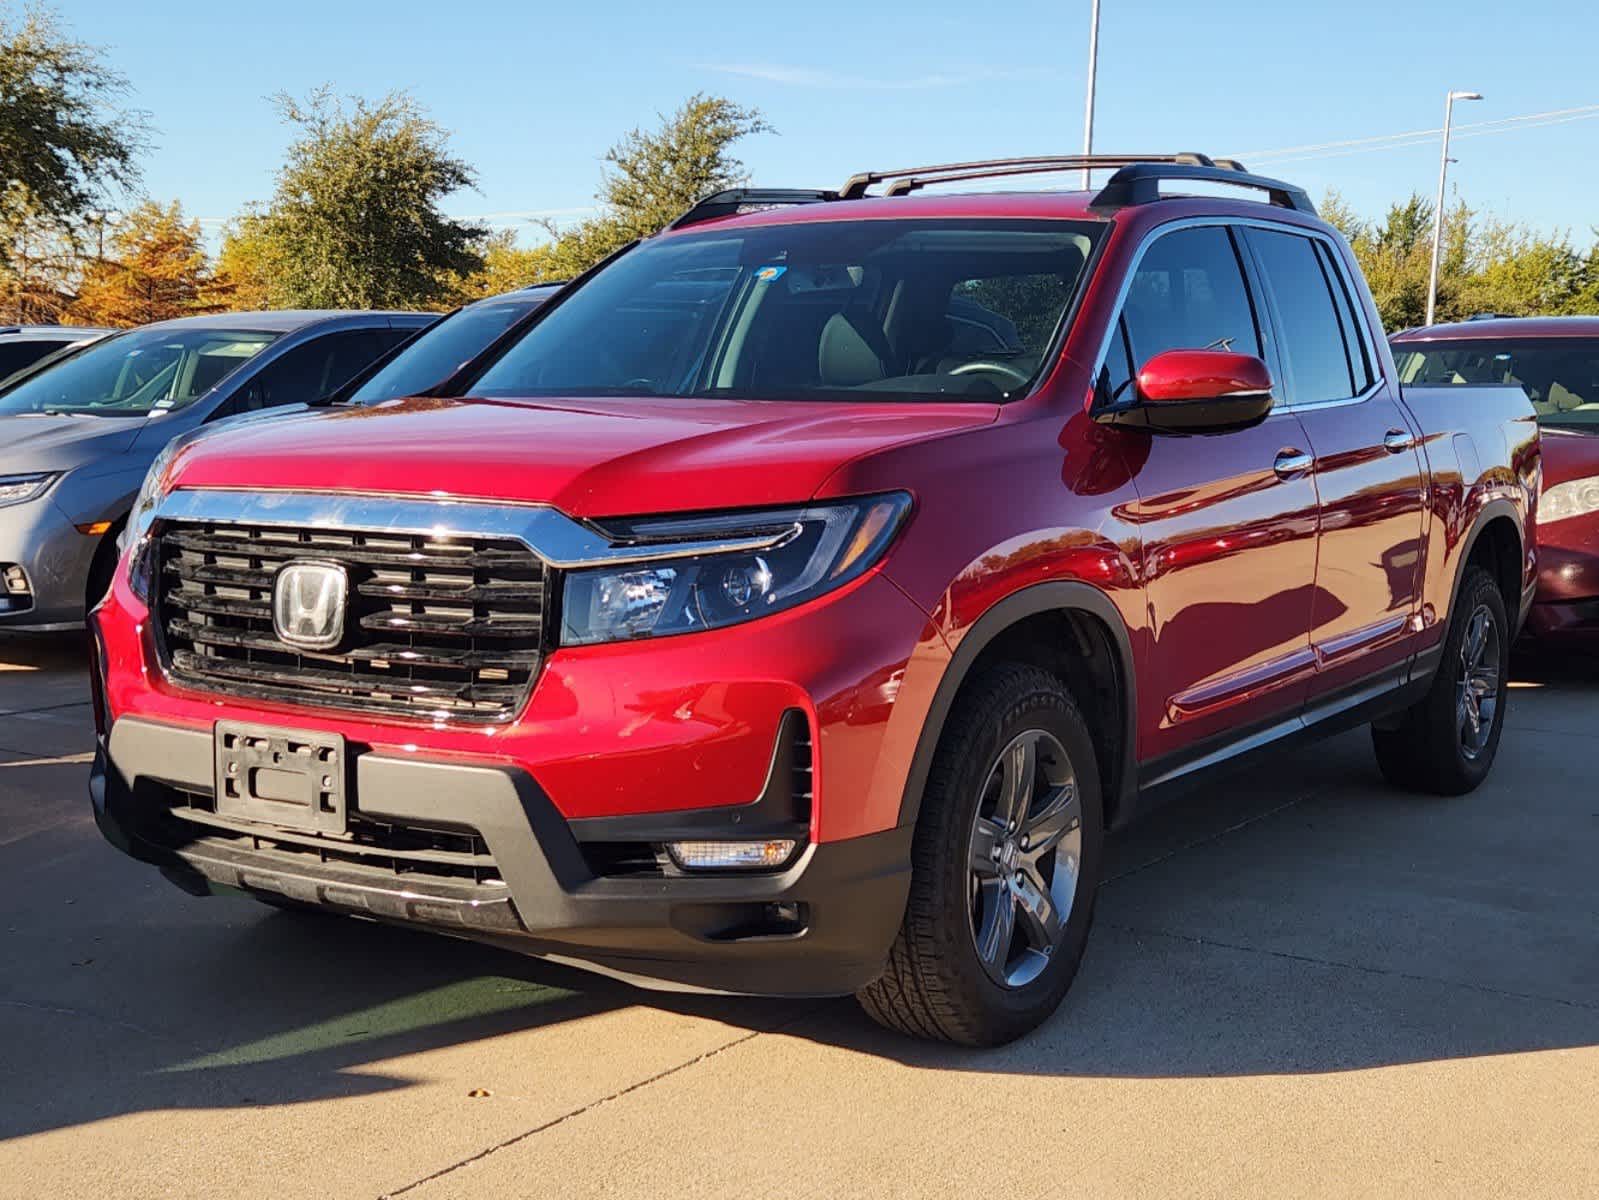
(1438, 212)
(1093, 72)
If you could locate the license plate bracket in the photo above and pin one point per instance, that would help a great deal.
(291, 778)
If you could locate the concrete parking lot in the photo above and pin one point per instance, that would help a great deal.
(1301, 981)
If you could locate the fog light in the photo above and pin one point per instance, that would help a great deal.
(731, 856)
(16, 581)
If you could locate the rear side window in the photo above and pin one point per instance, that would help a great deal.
(1188, 293)
(1315, 358)
(311, 371)
(1349, 317)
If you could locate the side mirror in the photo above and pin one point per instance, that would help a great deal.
(1199, 391)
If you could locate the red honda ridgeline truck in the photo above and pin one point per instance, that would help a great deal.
(792, 604)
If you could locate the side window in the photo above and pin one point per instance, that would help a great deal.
(1188, 293)
(1349, 317)
(1313, 349)
(388, 339)
(310, 371)
(18, 354)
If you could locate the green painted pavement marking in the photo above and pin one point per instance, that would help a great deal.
(464, 1000)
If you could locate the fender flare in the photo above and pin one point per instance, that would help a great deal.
(1492, 510)
(1038, 598)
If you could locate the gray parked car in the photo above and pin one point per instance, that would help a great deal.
(77, 434)
(23, 345)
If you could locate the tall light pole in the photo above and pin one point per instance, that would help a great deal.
(1438, 213)
(1093, 71)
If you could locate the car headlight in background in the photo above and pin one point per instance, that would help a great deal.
(815, 548)
(19, 489)
(1574, 498)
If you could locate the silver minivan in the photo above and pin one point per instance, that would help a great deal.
(78, 433)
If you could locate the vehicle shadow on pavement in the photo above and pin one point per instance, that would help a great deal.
(1299, 918)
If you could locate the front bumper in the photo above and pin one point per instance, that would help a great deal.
(38, 537)
(821, 926)
(1566, 607)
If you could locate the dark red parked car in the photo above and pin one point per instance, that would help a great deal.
(1555, 360)
(794, 602)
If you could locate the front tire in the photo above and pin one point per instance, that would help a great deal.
(1005, 867)
(1446, 742)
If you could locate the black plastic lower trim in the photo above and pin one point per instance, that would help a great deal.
(821, 926)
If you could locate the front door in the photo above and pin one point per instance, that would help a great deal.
(1227, 522)
(1368, 470)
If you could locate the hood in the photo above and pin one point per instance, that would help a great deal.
(589, 458)
(61, 443)
(1568, 455)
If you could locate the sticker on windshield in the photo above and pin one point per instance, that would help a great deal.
(768, 274)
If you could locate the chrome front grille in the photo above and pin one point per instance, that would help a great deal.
(437, 628)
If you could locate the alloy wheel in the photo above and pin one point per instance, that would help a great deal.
(1024, 858)
(1477, 686)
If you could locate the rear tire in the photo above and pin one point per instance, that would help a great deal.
(1445, 743)
(1005, 866)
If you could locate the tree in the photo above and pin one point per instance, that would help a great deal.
(657, 176)
(355, 221)
(63, 140)
(38, 262)
(506, 267)
(243, 280)
(1486, 264)
(157, 270)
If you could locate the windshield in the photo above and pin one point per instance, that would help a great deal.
(429, 359)
(149, 370)
(1559, 375)
(836, 310)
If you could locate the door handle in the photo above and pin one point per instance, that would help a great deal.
(1396, 441)
(1291, 463)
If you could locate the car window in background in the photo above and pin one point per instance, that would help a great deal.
(439, 351)
(937, 309)
(135, 374)
(1559, 375)
(1188, 294)
(17, 353)
(1312, 335)
(310, 371)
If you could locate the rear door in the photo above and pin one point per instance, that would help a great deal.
(1368, 469)
(1227, 521)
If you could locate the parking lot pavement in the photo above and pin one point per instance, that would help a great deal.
(1300, 980)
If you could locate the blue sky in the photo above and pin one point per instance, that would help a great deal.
(535, 92)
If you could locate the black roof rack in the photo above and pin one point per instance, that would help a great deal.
(1137, 181)
(1140, 184)
(736, 200)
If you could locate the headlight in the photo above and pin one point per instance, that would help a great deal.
(1575, 498)
(19, 489)
(816, 548)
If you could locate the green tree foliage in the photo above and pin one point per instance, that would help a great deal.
(654, 177)
(506, 267)
(63, 139)
(1486, 264)
(64, 145)
(39, 262)
(355, 220)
